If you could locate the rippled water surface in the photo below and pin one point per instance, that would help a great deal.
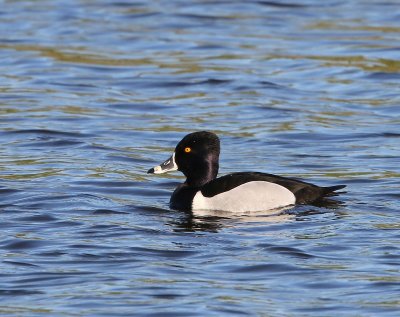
(94, 93)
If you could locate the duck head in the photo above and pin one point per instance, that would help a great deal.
(196, 156)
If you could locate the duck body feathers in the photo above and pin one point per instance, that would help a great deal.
(265, 187)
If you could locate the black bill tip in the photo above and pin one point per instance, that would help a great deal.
(150, 171)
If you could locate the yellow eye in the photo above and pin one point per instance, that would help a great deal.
(187, 149)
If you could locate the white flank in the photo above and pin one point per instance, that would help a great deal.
(249, 197)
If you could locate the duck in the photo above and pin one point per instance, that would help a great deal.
(197, 157)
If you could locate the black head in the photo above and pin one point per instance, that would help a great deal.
(196, 156)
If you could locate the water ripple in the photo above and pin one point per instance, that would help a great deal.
(94, 93)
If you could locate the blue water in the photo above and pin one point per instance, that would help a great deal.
(94, 93)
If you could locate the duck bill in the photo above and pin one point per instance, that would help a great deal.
(168, 166)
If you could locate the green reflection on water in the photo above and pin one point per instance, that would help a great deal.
(358, 61)
(193, 65)
(79, 55)
(30, 176)
(348, 25)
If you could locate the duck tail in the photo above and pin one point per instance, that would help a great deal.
(331, 190)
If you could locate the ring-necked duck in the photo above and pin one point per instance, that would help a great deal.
(197, 155)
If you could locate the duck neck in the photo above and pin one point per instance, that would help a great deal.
(204, 173)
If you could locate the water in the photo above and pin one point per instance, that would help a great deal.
(94, 93)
